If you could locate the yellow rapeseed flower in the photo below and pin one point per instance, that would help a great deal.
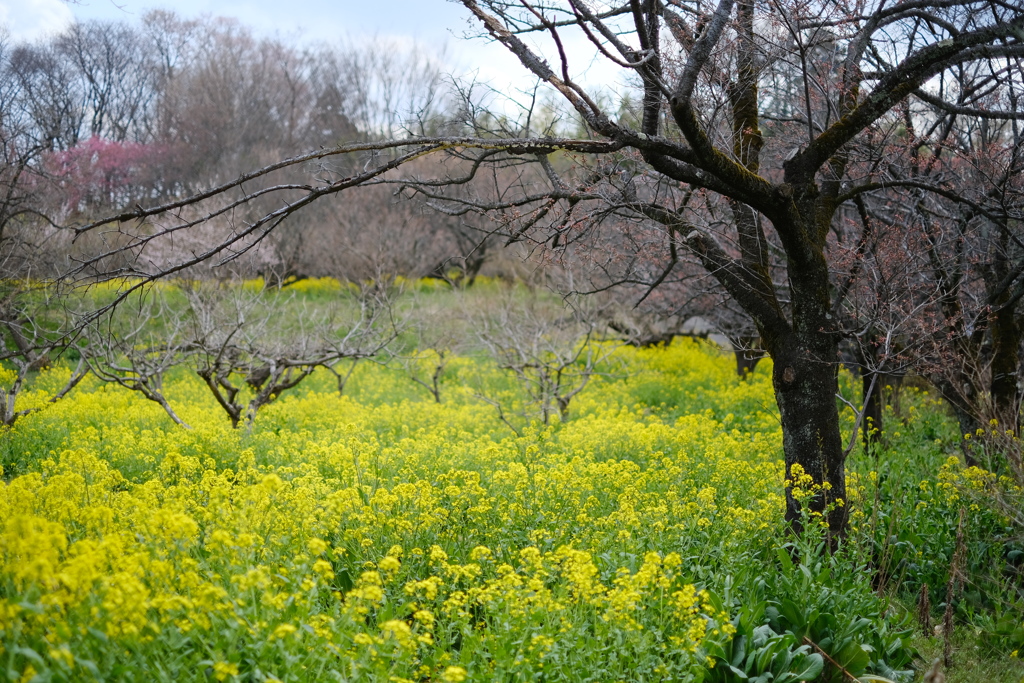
(454, 674)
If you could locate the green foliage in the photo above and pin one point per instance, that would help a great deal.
(382, 534)
(826, 599)
(753, 651)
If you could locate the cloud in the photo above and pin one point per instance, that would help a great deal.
(28, 20)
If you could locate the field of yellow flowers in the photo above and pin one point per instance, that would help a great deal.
(383, 536)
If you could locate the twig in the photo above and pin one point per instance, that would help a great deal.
(839, 667)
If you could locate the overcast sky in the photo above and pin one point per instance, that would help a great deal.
(433, 23)
(426, 20)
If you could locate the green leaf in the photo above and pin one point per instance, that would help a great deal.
(784, 559)
(343, 579)
(29, 653)
(739, 650)
(812, 668)
(854, 658)
(781, 665)
(740, 673)
(89, 666)
(861, 624)
(792, 613)
(716, 650)
(764, 659)
(95, 633)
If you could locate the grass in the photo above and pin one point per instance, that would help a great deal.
(970, 664)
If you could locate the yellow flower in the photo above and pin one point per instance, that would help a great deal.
(324, 569)
(283, 631)
(454, 674)
(222, 671)
(389, 564)
(62, 655)
(399, 631)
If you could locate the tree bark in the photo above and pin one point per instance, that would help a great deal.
(806, 361)
(1006, 340)
(963, 400)
(806, 384)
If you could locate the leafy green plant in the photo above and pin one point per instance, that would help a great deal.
(826, 599)
(752, 651)
(1001, 630)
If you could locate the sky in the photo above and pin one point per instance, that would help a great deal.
(427, 20)
(435, 24)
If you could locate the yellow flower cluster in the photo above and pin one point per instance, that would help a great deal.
(362, 538)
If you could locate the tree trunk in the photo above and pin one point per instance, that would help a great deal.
(805, 388)
(806, 367)
(963, 400)
(1006, 338)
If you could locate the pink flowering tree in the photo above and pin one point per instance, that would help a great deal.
(102, 173)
